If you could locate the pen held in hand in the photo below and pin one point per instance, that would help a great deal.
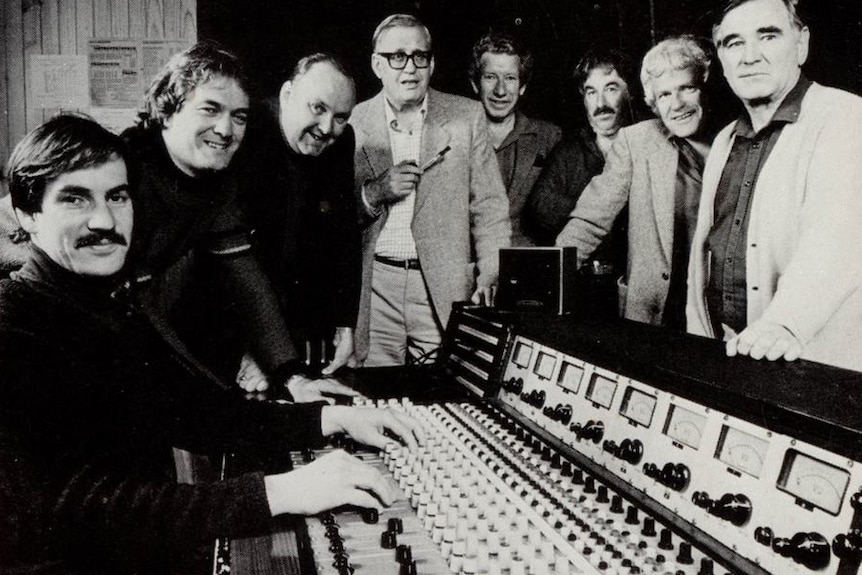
(438, 157)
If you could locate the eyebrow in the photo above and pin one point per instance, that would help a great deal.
(765, 30)
(73, 189)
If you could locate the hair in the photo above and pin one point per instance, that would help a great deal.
(728, 5)
(606, 59)
(501, 43)
(63, 144)
(305, 64)
(399, 21)
(683, 52)
(183, 73)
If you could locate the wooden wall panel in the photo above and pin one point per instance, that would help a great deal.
(31, 27)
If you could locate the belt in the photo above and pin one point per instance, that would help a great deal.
(412, 264)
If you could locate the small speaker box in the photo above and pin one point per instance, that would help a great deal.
(538, 279)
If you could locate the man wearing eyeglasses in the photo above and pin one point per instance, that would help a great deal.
(435, 208)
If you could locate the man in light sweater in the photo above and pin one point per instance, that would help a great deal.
(772, 268)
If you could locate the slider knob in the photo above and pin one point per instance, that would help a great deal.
(684, 556)
(706, 567)
(811, 550)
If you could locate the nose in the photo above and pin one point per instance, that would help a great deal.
(752, 52)
(602, 99)
(675, 101)
(499, 88)
(224, 126)
(411, 65)
(101, 217)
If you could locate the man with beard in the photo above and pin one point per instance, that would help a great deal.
(92, 397)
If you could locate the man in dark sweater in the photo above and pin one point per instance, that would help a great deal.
(192, 251)
(93, 397)
(298, 184)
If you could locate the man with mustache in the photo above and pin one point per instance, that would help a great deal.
(299, 182)
(92, 398)
(603, 80)
(500, 72)
(196, 273)
(654, 169)
(434, 209)
(774, 269)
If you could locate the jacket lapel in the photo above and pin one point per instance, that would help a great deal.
(435, 137)
(662, 172)
(526, 145)
(376, 147)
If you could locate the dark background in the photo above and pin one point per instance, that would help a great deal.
(272, 36)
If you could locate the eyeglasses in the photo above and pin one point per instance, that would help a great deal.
(398, 60)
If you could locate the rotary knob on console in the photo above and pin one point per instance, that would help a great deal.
(675, 476)
(848, 545)
(631, 451)
(808, 549)
(764, 535)
(733, 508)
(563, 413)
(593, 431)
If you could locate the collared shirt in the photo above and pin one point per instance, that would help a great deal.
(726, 297)
(507, 152)
(689, 181)
(396, 238)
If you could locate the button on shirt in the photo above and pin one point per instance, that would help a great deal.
(396, 238)
(727, 242)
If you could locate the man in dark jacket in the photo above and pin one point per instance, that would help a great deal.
(298, 184)
(92, 396)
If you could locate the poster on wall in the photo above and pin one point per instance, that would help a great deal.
(58, 81)
(120, 72)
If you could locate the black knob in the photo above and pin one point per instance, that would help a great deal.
(733, 508)
(404, 554)
(651, 470)
(764, 535)
(408, 568)
(389, 540)
(632, 515)
(590, 485)
(848, 545)
(336, 546)
(616, 504)
(782, 546)
(631, 451)
(602, 494)
(610, 446)
(856, 501)
(594, 431)
(566, 469)
(648, 529)
(370, 515)
(665, 540)
(811, 550)
(395, 525)
(578, 477)
(346, 570)
(564, 414)
(684, 555)
(675, 476)
(701, 499)
(340, 560)
(706, 567)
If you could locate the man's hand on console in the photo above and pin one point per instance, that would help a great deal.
(765, 339)
(250, 377)
(483, 296)
(333, 480)
(306, 390)
(370, 425)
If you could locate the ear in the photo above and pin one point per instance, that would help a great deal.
(376, 63)
(475, 86)
(431, 67)
(522, 90)
(284, 93)
(26, 221)
(802, 45)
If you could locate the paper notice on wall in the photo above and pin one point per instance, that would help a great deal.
(114, 119)
(58, 81)
(120, 70)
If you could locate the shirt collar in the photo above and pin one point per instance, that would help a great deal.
(787, 113)
(392, 120)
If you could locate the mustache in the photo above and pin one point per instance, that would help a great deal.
(604, 110)
(98, 237)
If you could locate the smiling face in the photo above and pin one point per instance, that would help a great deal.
(403, 88)
(85, 220)
(499, 87)
(606, 97)
(761, 51)
(315, 108)
(204, 134)
(678, 102)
